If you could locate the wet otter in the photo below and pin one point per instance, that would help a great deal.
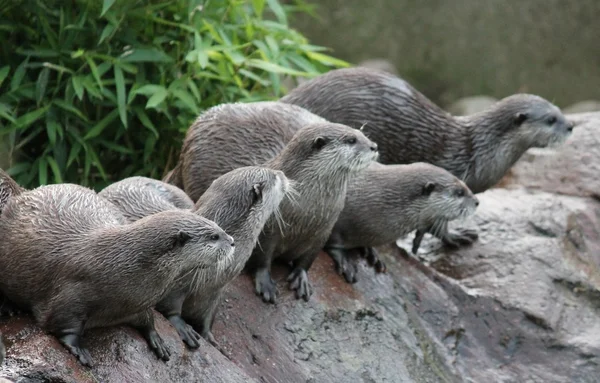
(387, 202)
(408, 127)
(67, 258)
(318, 156)
(239, 201)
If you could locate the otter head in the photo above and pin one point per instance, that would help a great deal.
(329, 149)
(535, 122)
(198, 242)
(442, 196)
(242, 200)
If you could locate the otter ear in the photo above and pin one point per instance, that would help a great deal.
(428, 188)
(520, 118)
(257, 189)
(183, 237)
(319, 142)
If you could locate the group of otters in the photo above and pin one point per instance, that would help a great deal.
(353, 159)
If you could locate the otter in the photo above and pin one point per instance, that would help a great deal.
(387, 202)
(8, 188)
(67, 258)
(408, 127)
(318, 156)
(239, 201)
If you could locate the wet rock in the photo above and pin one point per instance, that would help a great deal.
(572, 169)
(583, 107)
(470, 105)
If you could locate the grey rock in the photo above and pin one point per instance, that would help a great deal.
(470, 105)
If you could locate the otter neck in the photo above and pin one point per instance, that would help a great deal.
(493, 151)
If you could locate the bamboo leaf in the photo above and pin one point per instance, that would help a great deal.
(52, 128)
(121, 95)
(31, 117)
(107, 31)
(75, 149)
(3, 73)
(278, 11)
(55, 170)
(274, 68)
(94, 70)
(78, 86)
(327, 60)
(141, 114)
(106, 6)
(157, 98)
(41, 84)
(146, 55)
(70, 108)
(100, 126)
(15, 82)
(43, 171)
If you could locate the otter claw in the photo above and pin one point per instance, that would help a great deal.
(71, 343)
(373, 260)
(158, 346)
(210, 338)
(343, 265)
(187, 334)
(460, 238)
(298, 280)
(265, 286)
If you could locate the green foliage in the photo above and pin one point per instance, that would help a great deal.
(92, 91)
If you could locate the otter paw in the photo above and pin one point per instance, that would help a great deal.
(344, 265)
(265, 286)
(208, 335)
(298, 281)
(71, 343)
(187, 334)
(158, 346)
(460, 238)
(373, 260)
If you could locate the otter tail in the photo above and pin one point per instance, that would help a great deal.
(174, 177)
(8, 188)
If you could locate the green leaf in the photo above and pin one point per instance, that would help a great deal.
(194, 89)
(31, 117)
(259, 6)
(6, 113)
(15, 82)
(41, 84)
(55, 170)
(186, 99)
(3, 73)
(107, 31)
(106, 6)
(143, 117)
(75, 149)
(100, 126)
(43, 171)
(150, 89)
(327, 60)
(254, 77)
(157, 98)
(115, 147)
(52, 127)
(78, 86)
(278, 11)
(273, 68)
(94, 70)
(70, 108)
(121, 95)
(146, 55)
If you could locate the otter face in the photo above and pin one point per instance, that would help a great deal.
(541, 124)
(242, 200)
(348, 148)
(204, 244)
(447, 198)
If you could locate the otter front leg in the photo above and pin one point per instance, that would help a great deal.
(66, 321)
(344, 265)
(200, 310)
(264, 285)
(298, 278)
(144, 323)
(170, 307)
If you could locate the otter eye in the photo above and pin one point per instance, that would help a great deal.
(520, 118)
(428, 188)
(351, 140)
(460, 192)
(551, 120)
(214, 237)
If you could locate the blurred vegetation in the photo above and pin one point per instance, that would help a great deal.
(95, 91)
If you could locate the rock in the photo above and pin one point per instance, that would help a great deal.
(2, 350)
(470, 105)
(572, 169)
(522, 304)
(381, 64)
(583, 107)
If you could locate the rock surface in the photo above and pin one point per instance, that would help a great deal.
(520, 305)
(583, 107)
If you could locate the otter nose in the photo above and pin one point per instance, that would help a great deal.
(374, 147)
(231, 241)
(571, 126)
(476, 201)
